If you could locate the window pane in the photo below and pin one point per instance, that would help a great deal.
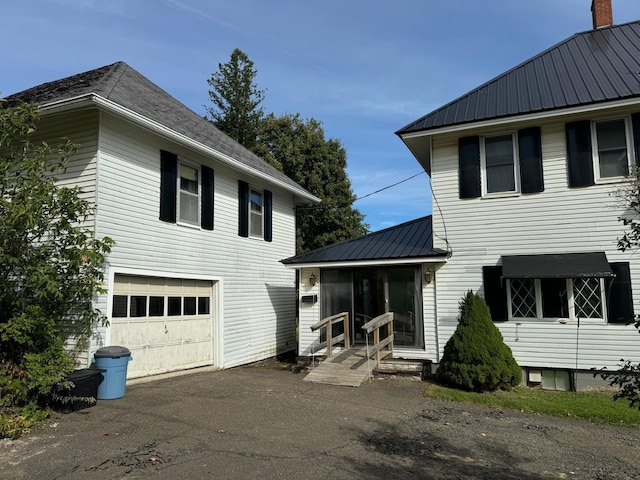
(256, 201)
(119, 309)
(156, 306)
(586, 295)
(138, 307)
(255, 226)
(554, 298)
(204, 305)
(612, 148)
(188, 208)
(188, 179)
(189, 305)
(499, 166)
(523, 298)
(175, 306)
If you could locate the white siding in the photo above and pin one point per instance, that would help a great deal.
(257, 294)
(82, 130)
(557, 220)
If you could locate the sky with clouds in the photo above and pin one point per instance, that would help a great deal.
(364, 68)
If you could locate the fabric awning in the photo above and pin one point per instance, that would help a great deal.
(565, 265)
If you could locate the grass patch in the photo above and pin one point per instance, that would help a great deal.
(594, 406)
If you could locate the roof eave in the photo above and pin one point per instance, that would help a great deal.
(368, 262)
(544, 114)
(92, 99)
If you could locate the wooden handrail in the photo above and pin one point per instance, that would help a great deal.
(374, 325)
(328, 323)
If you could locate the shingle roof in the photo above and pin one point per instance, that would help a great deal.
(126, 87)
(589, 67)
(412, 239)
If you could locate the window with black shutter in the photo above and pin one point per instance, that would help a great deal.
(619, 294)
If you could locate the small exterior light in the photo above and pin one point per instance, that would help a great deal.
(312, 279)
(428, 276)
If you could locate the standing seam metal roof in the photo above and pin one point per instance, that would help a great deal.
(126, 87)
(412, 239)
(589, 67)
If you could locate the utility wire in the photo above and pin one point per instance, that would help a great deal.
(389, 186)
(315, 207)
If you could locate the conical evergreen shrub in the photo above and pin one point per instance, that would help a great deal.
(475, 357)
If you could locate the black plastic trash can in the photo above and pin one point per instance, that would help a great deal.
(114, 361)
(85, 387)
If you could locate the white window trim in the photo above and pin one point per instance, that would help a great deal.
(180, 191)
(570, 300)
(594, 148)
(516, 167)
(252, 213)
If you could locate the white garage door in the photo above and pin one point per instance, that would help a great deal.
(167, 323)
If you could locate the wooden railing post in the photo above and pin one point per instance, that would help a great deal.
(347, 342)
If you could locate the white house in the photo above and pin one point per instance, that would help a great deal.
(523, 171)
(200, 224)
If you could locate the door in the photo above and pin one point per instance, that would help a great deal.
(167, 323)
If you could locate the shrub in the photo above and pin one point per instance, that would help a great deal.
(476, 357)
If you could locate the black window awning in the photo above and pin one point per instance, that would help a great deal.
(565, 265)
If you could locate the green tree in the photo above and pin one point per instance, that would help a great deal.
(476, 357)
(51, 265)
(299, 149)
(627, 378)
(236, 99)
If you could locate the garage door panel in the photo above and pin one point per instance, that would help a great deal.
(169, 342)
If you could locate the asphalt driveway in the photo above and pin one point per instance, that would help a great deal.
(265, 422)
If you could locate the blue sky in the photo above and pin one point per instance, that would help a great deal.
(364, 68)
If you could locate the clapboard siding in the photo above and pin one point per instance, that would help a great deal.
(258, 294)
(558, 220)
(80, 169)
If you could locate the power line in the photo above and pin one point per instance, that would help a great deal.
(389, 186)
(316, 207)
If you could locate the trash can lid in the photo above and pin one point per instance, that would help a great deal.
(113, 351)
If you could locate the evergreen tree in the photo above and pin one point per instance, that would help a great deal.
(236, 99)
(476, 357)
(299, 149)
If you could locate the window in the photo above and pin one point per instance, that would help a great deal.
(499, 165)
(186, 192)
(119, 309)
(189, 305)
(175, 306)
(611, 147)
(138, 306)
(600, 150)
(189, 198)
(510, 163)
(156, 306)
(606, 298)
(204, 305)
(255, 210)
(556, 298)
(255, 214)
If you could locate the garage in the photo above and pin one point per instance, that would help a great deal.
(167, 323)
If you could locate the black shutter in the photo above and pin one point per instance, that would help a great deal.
(168, 186)
(635, 122)
(579, 155)
(619, 296)
(206, 213)
(469, 166)
(530, 151)
(495, 292)
(243, 208)
(268, 215)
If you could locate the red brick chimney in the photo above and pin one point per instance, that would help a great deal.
(601, 13)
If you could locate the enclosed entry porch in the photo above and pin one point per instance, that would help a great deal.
(393, 270)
